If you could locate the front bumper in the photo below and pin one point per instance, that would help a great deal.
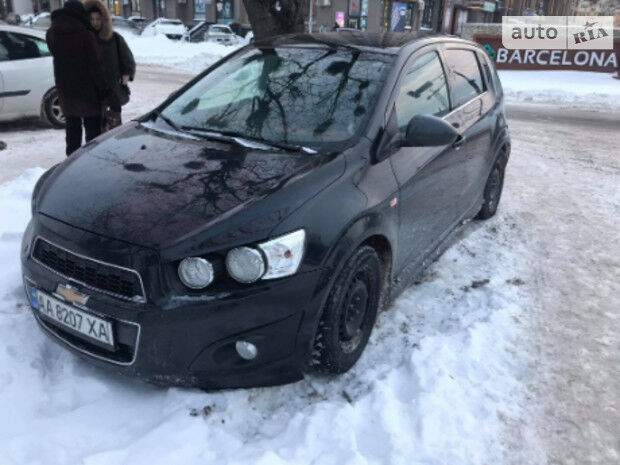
(185, 340)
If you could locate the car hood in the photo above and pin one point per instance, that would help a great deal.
(158, 189)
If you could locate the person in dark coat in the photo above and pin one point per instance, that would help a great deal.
(78, 71)
(118, 61)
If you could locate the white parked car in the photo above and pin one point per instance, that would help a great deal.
(125, 26)
(41, 21)
(26, 19)
(222, 34)
(138, 19)
(172, 28)
(27, 77)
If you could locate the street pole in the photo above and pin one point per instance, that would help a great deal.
(310, 17)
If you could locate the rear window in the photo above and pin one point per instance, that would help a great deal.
(491, 74)
(466, 78)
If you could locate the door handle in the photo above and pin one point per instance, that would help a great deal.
(460, 140)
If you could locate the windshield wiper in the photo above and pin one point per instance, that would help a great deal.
(252, 142)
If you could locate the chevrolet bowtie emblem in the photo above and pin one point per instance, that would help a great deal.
(71, 295)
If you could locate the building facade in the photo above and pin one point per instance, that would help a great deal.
(190, 11)
(540, 7)
(446, 16)
(378, 15)
(595, 7)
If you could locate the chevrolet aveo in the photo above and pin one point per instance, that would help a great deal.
(248, 229)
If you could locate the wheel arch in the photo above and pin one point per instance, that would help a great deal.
(502, 147)
(45, 117)
(42, 104)
(384, 250)
(371, 229)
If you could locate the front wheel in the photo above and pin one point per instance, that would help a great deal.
(52, 110)
(349, 313)
(492, 192)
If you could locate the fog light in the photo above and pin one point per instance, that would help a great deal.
(246, 350)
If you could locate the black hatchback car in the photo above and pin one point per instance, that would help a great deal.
(249, 228)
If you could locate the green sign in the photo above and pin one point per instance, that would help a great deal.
(488, 6)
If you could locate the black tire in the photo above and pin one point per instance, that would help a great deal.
(492, 192)
(349, 313)
(52, 111)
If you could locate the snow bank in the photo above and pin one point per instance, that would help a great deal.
(571, 88)
(184, 56)
(442, 380)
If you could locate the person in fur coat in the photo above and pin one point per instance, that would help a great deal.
(119, 64)
(78, 72)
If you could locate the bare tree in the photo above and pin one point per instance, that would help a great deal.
(275, 17)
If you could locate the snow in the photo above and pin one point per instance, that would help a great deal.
(519, 369)
(583, 89)
(438, 382)
(185, 56)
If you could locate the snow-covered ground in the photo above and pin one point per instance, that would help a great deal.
(521, 369)
(442, 380)
(577, 89)
(186, 56)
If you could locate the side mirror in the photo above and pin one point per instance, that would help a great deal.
(429, 131)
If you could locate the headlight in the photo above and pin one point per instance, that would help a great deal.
(195, 272)
(245, 264)
(284, 254)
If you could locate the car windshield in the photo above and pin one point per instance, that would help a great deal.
(221, 30)
(315, 97)
(170, 23)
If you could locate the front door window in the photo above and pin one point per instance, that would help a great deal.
(423, 91)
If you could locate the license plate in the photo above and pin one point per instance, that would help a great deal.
(73, 318)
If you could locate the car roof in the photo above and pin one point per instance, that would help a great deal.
(386, 42)
(23, 30)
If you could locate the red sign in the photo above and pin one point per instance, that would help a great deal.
(605, 61)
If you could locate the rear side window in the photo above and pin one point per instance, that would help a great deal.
(22, 47)
(423, 91)
(4, 51)
(466, 78)
(491, 75)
